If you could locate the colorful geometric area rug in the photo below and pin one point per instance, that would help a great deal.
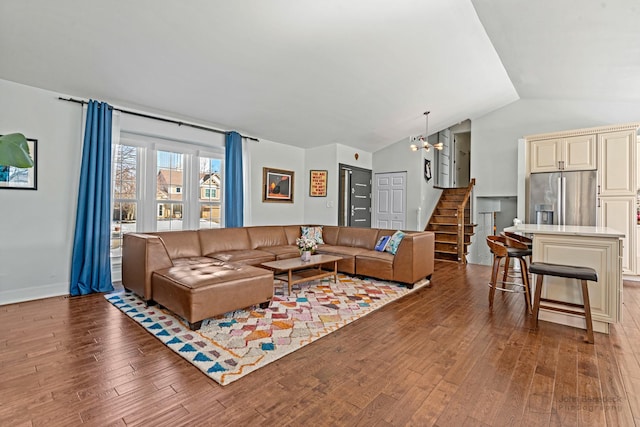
(229, 347)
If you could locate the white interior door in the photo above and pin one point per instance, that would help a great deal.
(390, 201)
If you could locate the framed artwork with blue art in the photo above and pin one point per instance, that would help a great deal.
(12, 178)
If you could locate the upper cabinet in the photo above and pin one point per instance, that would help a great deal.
(563, 154)
(616, 164)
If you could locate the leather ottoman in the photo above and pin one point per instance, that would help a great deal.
(200, 291)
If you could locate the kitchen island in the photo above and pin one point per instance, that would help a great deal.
(584, 246)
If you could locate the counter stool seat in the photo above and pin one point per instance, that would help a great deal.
(571, 272)
(498, 245)
(518, 252)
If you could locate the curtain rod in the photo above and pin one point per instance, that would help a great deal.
(162, 119)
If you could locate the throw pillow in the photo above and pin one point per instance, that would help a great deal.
(382, 243)
(394, 242)
(314, 233)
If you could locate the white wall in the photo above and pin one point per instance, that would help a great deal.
(158, 129)
(324, 210)
(398, 157)
(347, 156)
(279, 156)
(36, 227)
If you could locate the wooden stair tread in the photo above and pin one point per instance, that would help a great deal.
(444, 223)
(450, 252)
(466, 233)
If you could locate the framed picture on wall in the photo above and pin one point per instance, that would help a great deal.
(12, 178)
(277, 185)
(318, 183)
(427, 169)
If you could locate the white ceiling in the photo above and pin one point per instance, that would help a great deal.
(310, 73)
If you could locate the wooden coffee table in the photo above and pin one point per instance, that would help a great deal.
(298, 271)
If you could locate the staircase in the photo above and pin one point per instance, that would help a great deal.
(451, 223)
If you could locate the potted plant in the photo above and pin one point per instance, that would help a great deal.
(306, 246)
(14, 151)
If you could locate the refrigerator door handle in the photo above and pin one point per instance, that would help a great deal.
(559, 202)
(564, 200)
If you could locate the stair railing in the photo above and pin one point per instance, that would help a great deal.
(460, 220)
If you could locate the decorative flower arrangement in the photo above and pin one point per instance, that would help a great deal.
(306, 244)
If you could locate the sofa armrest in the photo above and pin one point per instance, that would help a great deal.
(414, 259)
(142, 254)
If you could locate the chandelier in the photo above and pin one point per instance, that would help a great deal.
(421, 141)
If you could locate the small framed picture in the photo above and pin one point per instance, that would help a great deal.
(427, 169)
(277, 185)
(318, 183)
(12, 178)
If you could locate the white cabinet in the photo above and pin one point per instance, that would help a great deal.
(568, 153)
(579, 153)
(618, 213)
(617, 189)
(617, 163)
(599, 253)
(638, 166)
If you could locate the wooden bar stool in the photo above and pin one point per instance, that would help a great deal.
(500, 250)
(521, 248)
(580, 273)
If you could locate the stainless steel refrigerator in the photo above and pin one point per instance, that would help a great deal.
(563, 198)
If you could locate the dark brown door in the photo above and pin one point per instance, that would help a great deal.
(355, 197)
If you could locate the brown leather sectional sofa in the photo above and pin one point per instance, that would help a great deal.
(199, 274)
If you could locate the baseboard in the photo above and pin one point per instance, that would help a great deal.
(36, 292)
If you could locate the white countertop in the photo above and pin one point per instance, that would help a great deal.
(575, 230)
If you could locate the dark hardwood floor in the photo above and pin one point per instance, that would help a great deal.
(435, 357)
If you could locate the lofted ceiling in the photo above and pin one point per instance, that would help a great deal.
(311, 73)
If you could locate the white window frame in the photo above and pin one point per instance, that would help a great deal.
(147, 160)
(217, 154)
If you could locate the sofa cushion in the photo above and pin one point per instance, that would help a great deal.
(267, 236)
(180, 244)
(339, 250)
(394, 242)
(330, 234)
(312, 233)
(382, 243)
(292, 232)
(348, 263)
(282, 252)
(245, 256)
(217, 240)
(196, 260)
(375, 264)
(357, 237)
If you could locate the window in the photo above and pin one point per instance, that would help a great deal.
(211, 193)
(209, 185)
(169, 182)
(175, 187)
(125, 184)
